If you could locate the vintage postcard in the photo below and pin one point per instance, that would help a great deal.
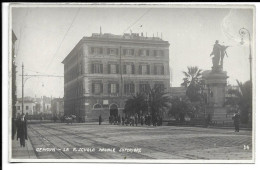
(132, 83)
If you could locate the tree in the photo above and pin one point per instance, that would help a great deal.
(241, 99)
(135, 104)
(180, 108)
(158, 100)
(193, 82)
(245, 100)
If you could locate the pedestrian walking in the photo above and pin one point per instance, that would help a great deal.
(142, 120)
(123, 120)
(136, 120)
(236, 119)
(99, 119)
(22, 130)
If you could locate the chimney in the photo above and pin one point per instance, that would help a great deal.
(100, 29)
(142, 34)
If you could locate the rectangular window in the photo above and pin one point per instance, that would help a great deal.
(129, 88)
(129, 52)
(129, 69)
(18, 107)
(27, 107)
(144, 69)
(113, 88)
(159, 70)
(113, 68)
(97, 88)
(143, 52)
(144, 88)
(97, 68)
(112, 51)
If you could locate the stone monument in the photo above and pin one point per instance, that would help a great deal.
(216, 81)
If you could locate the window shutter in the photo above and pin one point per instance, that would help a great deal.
(162, 54)
(132, 88)
(148, 69)
(133, 69)
(140, 88)
(92, 68)
(124, 51)
(108, 69)
(132, 52)
(101, 68)
(125, 88)
(117, 68)
(124, 69)
(109, 88)
(93, 88)
(101, 87)
(155, 70)
(162, 70)
(140, 69)
(117, 88)
(140, 52)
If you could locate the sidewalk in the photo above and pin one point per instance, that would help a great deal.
(19, 152)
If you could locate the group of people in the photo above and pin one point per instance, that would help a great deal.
(134, 120)
(19, 128)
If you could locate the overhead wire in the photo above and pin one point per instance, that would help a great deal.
(137, 20)
(49, 64)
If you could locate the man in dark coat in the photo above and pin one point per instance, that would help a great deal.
(22, 130)
(99, 119)
(236, 119)
(14, 128)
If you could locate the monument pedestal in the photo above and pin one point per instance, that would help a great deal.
(216, 81)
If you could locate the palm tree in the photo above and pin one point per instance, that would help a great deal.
(245, 100)
(158, 100)
(135, 104)
(192, 81)
(192, 77)
(180, 108)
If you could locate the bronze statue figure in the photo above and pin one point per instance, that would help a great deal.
(219, 52)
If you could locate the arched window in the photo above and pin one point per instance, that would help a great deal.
(97, 106)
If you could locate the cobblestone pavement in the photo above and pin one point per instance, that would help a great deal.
(89, 141)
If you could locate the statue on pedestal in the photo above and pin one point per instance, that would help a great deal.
(219, 52)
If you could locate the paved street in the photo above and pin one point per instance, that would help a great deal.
(90, 141)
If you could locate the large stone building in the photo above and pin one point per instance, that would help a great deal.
(103, 70)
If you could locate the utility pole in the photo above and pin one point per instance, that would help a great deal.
(22, 88)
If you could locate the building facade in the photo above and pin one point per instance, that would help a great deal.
(28, 109)
(104, 70)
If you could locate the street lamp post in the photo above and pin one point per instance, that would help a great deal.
(243, 32)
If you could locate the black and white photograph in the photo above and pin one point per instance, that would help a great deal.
(131, 83)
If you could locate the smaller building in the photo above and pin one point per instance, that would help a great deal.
(177, 92)
(28, 108)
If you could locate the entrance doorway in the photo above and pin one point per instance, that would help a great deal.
(113, 110)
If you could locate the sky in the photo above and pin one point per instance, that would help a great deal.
(46, 35)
